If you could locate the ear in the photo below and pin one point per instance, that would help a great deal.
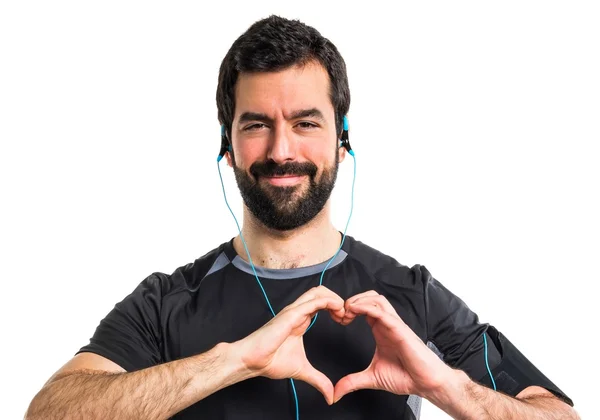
(341, 153)
(228, 157)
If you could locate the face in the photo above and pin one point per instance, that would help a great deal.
(285, 155)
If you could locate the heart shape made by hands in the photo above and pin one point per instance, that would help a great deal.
(401, 364)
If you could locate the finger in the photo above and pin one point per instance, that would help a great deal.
(377, 313)
(303, 312)
(317, 292)
(373, 310)
(337, 316)
(378, 300)
(349, 316)
(353, 382)
(360, 295)
(392, 322)
(317, 379)
(408, 344)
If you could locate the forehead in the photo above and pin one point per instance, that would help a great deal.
(283, 92)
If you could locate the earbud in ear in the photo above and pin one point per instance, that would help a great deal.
(225, 146)
(344, 141)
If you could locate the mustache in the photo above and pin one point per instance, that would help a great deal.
(271, 168)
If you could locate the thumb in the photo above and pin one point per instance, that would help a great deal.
(353, 382)
(317, 379)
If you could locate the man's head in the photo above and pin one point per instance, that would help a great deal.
(282, 94)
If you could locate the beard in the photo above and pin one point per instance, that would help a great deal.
(285, 207)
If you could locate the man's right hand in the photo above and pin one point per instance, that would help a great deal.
(276, 350)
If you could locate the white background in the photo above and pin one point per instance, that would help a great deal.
(475, 127)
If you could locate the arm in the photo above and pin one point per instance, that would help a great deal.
(402, 364)
(276, 351)
(153, 393)
(465, 399)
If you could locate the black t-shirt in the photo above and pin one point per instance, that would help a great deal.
(217, 299)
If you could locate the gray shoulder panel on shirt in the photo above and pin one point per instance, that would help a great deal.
(219, 263)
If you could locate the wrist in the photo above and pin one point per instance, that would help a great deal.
(247, 356)
(216, 369)
(451, 395)
(233, 362)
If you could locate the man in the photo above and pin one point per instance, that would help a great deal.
(221, 337)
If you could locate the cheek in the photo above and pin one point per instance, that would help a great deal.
(318, 154)
(246, 156)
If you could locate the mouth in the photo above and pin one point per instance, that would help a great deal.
(284, 181)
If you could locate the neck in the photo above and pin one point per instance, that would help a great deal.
(311, 244)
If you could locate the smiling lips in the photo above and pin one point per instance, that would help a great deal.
(286, 180)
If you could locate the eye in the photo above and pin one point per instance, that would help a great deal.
(254, 127)
(306, 125)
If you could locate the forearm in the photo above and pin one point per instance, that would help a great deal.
(158, 392)
(466, 400)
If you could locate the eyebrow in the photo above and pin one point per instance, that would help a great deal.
(302, 113)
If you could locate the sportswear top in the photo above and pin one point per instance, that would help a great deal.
(217, 299)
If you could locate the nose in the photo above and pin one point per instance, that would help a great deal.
(282, 145)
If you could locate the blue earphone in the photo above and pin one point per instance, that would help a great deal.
(225, 145)
(344, 142)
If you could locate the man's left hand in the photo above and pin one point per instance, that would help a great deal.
(402, 363)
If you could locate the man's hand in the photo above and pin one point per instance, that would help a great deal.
(402, 363)
(276, 350)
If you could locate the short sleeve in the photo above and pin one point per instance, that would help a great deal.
(454, 331)
(130, 334)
